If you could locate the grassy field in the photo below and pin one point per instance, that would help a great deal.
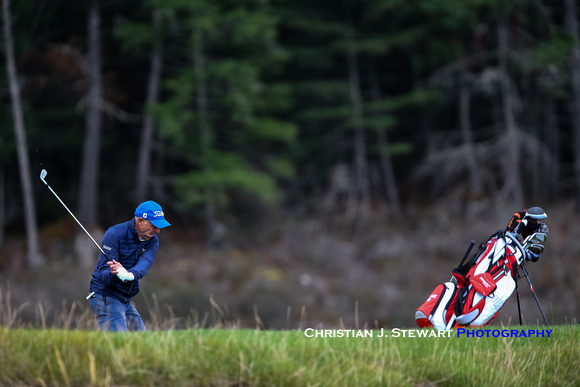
(229, 357)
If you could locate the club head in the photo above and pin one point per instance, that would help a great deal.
(538, 237)
(536, 248)
(43, 174)
(536, 213)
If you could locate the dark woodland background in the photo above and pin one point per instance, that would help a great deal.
(322, 162)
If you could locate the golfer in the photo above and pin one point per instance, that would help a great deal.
(130, 249)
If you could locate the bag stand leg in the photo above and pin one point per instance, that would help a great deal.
(518, 298)
(534, 293)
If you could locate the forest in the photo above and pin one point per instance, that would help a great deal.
(320, 161)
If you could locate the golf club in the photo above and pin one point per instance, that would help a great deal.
(535, 213)
(536, 237)
(43, 174)
(536, 248)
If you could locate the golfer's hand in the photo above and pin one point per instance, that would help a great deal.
(121, 273)
(124, 275)
(114, 266)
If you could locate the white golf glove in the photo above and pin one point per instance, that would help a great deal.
(125, 275)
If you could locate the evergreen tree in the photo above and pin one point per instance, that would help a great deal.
(217, 118)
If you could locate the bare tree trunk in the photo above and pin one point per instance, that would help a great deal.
(537, 172)
(552, 136)
(389, 175)
(91, 150)
(144, 162)
(2, 206)
(467, 135)
(387, 168)
(89, 174)
(362, 189)
(509, 134)
(572, 26)
(428, 135)
(212, 226)
(34, 257)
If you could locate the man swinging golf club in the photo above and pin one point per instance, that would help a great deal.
(127, 254)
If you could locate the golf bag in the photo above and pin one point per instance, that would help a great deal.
(478, 289)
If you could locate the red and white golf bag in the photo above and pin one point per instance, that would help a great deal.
(478, 289)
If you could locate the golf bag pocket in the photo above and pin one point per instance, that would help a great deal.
(483, 283)
(437, 311)
(480, 301)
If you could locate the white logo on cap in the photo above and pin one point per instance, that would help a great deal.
(158, 213)
(144, 215)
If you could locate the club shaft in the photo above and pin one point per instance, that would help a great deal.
(75, 218)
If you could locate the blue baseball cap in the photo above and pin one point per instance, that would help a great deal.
(152, 212)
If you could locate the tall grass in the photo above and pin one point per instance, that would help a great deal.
(226, 357)
(64, 348)
(78, 315)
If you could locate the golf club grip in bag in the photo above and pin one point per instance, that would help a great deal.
(478, 289)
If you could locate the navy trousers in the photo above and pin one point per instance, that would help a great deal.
(115, 316)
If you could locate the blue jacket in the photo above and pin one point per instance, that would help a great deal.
(122, 244)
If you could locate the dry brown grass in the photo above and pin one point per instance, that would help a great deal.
(315, 267)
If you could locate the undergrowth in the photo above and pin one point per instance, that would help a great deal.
(241, 357)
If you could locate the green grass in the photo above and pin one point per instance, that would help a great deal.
(226, 357)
